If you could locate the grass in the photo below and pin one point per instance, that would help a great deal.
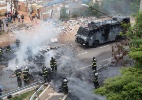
(24, 96)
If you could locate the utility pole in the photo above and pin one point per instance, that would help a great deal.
(51, 13)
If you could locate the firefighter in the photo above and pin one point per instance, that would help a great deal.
(26, 74)
(49, 75)
(65, 86)
(17, 42)
(94, 65)
(1, 54)
(0, 91)
(8, 48)
(53, 64)
(45, 74)
(18, 73)
(95, 81)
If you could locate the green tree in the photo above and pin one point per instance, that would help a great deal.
(63, 14)
(120, 6)
(125, 87)
(92, 9)
(135, 34)
(134, 5)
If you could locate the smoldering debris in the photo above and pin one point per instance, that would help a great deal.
(30, 43)
(80, 81)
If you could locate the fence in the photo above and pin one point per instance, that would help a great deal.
(33, 96)
(17, 90)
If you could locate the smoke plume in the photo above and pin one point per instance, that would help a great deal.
(31, 42)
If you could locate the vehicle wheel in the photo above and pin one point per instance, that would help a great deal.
(95, 43)
(118, 38)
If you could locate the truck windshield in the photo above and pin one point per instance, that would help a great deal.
(83, 31)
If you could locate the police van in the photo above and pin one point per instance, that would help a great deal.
(101, 32)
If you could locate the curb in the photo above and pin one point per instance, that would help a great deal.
(64, 98)
(43, 92)
(22, 91)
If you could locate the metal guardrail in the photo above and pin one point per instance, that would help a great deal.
(33, 96)
(17, 90)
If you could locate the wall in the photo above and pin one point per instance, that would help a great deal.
(22, 6)
(3, 7)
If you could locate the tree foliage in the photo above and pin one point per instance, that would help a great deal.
(120, 6)
(92, 9)
(134, 5)
(63, 14)
(125, 87)
(135, 34)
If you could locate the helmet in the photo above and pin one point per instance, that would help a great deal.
(96, 74)
(17, 67)
(64, 78)
(44, 66)
(94, 58)
(26, 67)
(51, 57)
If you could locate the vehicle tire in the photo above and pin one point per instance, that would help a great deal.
(118, 38)
(95, 43)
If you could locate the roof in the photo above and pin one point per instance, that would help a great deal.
(53, 2)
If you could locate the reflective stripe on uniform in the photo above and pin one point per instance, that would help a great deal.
(64, 84)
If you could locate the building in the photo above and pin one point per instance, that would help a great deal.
(3, 7)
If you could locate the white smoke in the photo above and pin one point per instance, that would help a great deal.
(48, 56)
(80, 80)
(82, 90)
(33, 39)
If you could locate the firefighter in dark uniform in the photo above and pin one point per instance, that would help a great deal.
(65, 86)
(49, 75)
(94, 65)
(95, 81)
(1, 54)
(53, 64)
(45, 74)
(8, 48)
(17, 42)
(26, 74)
(18, 73)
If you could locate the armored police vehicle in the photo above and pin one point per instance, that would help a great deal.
(101, 32)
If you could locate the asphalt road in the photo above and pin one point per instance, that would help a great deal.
(73, 55)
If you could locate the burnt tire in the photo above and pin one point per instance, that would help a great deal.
(95, 44)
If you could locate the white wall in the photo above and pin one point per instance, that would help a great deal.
(9, 6)
(1, 3)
